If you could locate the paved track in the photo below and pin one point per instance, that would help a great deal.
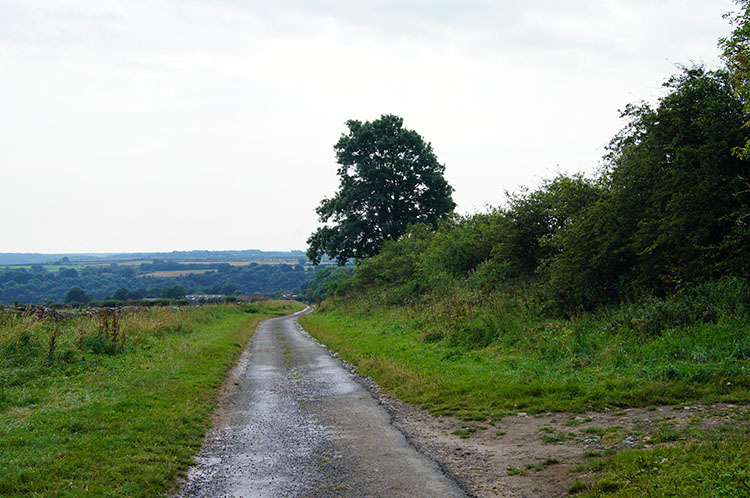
(299, 424)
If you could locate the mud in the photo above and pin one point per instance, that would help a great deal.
(513, 458)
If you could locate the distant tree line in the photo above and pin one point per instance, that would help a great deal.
(37, 285)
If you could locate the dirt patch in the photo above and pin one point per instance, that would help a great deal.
(536, 455)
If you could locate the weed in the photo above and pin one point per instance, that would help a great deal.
(513, 471)
(449, 378)
(594, 430)
(573, 422)
(465, 431)
(578, 486)
(608, 485)
(52, 342)
(667, 434)
(554, 438)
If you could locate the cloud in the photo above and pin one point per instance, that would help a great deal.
(137, 113)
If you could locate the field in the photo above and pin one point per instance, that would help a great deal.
(52, 268)
(103, 406)
(264, 261)
(78, 265)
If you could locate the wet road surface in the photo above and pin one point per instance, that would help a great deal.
(297, 423)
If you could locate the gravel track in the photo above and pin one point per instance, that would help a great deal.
(294, 422)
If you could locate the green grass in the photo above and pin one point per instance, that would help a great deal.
(513, 471)
(465, 431)
(537, 365)
(478, 360)
(96, 417)
(708, 463)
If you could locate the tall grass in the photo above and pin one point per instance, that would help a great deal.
(479, 355)
(501, 351)
(112, 405)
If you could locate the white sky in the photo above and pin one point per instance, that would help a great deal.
(158, 125)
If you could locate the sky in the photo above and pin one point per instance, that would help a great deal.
(159, 125)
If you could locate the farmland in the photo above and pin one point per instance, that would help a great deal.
(137, 277)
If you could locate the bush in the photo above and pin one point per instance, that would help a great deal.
(725, 299)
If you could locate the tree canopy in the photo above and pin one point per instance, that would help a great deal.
(736, 54)
(76, 295)
(389, 178)
(667, 212)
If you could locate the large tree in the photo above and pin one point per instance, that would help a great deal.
(389, 178)
(76, 295)
(736, 53)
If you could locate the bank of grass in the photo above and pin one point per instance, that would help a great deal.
(482, 359)
(532, 363)
(85, 411)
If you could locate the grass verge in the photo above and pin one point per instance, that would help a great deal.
(85, 412)
(540, 365)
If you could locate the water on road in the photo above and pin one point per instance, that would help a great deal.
(297, 423)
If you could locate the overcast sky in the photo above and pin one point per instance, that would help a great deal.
(162, 125)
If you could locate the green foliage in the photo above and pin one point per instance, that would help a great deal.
(670, 210)
(121, 294)
(389, 178)
(708, 463)
(328, 281)
(736, 54)
(665, 215)
(76, 295)
(536, 217)
(469, 351)
(725, 299)
(173, 292)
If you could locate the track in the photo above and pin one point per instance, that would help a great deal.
(296, 423)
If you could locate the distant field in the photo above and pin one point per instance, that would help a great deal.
(260, 261)
(138, 262)
(28, 267)
(134, 262)
(173, 273)
(244, 263)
